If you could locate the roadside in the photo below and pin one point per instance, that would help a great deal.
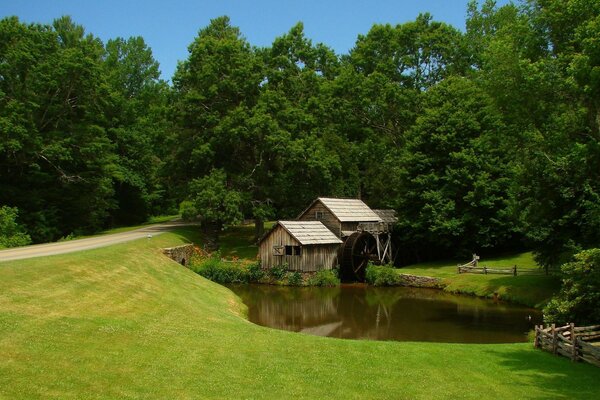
(50, 249)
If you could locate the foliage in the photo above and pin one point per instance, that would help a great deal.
(219, 271)
(382, 275)
(278, 272)
(255, 272)
(12, 234)
(579, 298)
(214, 201)
(294, 278)
(324, 277)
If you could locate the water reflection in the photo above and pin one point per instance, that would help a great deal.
(405, 314)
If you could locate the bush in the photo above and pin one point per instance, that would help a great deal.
(324, 277)
(255, 272)
(219, 271)
(278, 272)
(294, 279)
(578, 300)
(382, 275)
(11, 233)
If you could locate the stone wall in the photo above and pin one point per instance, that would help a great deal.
(422, 281)
(181, 254)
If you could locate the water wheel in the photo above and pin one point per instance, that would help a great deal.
(358, 249)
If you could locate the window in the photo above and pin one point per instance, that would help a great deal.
(278, 250)
(293, 250)
(318, 215)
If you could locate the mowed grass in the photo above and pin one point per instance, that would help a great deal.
(530, 290)
(126, 322)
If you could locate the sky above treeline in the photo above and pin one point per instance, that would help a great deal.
(168, 27)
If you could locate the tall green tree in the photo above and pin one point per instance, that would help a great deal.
(137, 125)
(452, 178)
(55, 157)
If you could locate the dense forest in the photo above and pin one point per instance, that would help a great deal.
(486, 139)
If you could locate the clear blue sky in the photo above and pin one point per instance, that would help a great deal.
(170, 26)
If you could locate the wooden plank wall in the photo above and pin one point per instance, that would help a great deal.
(313, 257)
(329, 220)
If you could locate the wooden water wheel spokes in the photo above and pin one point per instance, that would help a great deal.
(358, 249)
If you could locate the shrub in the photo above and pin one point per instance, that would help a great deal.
(219, 271)
(579, 298)
(11, 233)
(255, 272)
(294, 279)
(278, 272)
(382, 275)
(324, 277)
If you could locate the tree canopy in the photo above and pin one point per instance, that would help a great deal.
(483, 140)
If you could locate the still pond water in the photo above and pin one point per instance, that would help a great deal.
(387, 313)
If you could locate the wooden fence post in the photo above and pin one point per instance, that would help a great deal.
(554, 339)
(536, 340)
(458, 268)
(574, 341)
(485, 270)
(515, 270)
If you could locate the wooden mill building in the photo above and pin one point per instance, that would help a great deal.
(341, 216)
(305, 246)
(331, 232)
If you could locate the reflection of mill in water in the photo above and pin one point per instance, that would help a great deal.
(361, 312)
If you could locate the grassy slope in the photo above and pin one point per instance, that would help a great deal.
(531, 290)
(125, 322)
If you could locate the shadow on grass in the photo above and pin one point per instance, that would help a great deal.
(556, 376)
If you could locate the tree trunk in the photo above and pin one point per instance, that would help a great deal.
(211, 232)
(259, 228)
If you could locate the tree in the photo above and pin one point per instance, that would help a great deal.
(579, 294)
(12, 234)
(451, 178)
(214, 202)
(55, 157)
(136, 119)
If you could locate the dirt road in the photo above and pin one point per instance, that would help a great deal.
(49, 249)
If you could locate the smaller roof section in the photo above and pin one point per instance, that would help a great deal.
(349, 210)
(387, 216)
(309, 232)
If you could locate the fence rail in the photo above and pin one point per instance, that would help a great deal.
(576, 343)
(474, 268)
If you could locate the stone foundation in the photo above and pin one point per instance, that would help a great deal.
(422, 281)
(181, 254)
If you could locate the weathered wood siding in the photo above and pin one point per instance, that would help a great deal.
(313, 257)
(349, 226)
(329, 220)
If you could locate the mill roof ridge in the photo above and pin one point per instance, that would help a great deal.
(349, 210)
(308, 232)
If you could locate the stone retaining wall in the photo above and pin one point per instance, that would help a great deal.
(422, 281)
(181, 254)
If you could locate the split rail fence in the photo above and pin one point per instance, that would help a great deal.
(473, 267)
(576, 343)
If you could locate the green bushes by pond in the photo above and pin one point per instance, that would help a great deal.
(223, 271)
(382, 275)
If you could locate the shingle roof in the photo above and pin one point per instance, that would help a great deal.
(349, 210)
(309, 232)
(387, 216)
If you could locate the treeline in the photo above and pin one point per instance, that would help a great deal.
(484, 139)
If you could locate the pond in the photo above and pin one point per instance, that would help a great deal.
(358, 311)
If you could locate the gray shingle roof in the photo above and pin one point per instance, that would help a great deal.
(350, 210)
(387, 216)
(310, 232)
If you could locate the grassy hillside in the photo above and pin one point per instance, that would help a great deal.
(125, 322)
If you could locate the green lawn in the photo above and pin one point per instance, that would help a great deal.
(531, 290)
(125, 322)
